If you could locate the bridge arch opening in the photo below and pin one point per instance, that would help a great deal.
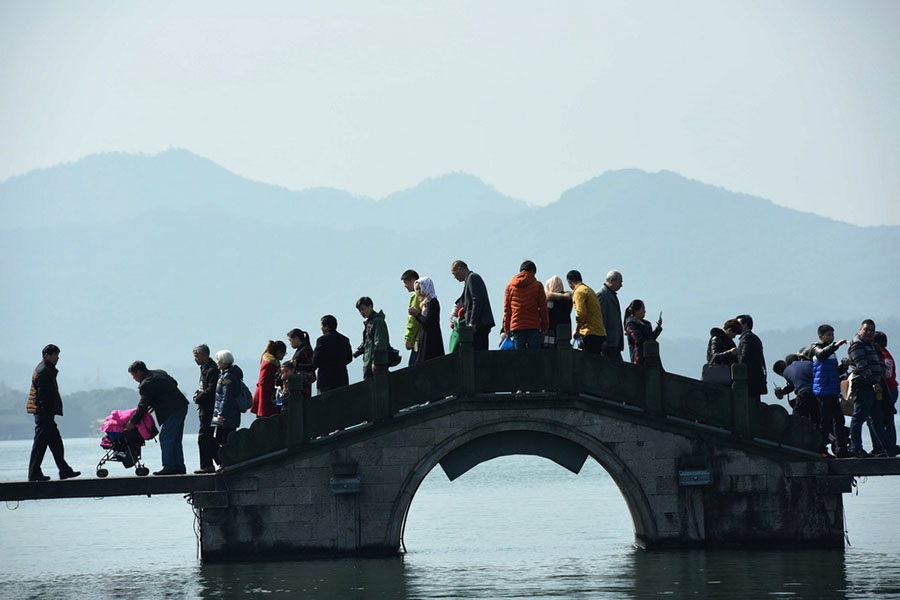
(566, 447)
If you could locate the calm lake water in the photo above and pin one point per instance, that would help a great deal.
(517, 527)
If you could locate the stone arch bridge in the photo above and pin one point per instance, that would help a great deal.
(698, 464)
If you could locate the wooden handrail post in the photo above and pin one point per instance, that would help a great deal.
(467, 360)
(653, 374)
(565, 377)
(381, 389)
(740, 401)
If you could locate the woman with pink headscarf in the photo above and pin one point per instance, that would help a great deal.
(430, 342)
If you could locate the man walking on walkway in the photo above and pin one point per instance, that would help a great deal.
(476, 306)
(44, 402)
(160, 394)
(612, 314)
(525, 314)
(205, 399)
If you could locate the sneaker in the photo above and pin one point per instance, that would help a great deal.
(71, 474)
(169, 472)
(204, 471)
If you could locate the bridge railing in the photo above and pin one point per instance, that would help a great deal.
(469, 373)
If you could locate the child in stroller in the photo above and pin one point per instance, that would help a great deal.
(125, 446)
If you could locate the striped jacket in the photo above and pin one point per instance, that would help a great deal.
(864, 364)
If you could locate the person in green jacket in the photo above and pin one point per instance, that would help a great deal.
(409, 278)
(375, 336)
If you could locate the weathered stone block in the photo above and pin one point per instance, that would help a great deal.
(805, 469)
(366, 455)
(418, 436)
(240, 483)
(731, 464)
(618, 431)
(258, 498)
(378, 492)
(400, 456)
(380, 474)
(293, 495)
(666, 485)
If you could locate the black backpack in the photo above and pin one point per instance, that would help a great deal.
(393, 356)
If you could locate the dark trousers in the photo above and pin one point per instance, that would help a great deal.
(526, 338)
(206, 437)
(890, 409)
(806, 406)
(613, 353)
(593, 344)
(222, 433)
(832, 423)
(46, 435)
(864, 412)
(480, 337)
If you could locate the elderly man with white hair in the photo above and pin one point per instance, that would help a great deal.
(612, 315)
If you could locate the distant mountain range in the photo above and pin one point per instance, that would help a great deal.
(105, 189)
(118, 257)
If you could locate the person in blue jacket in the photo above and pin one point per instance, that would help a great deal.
(827, 389)
(227, 414)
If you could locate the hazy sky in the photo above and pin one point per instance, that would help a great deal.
(794, 101)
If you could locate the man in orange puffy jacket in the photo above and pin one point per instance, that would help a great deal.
(525, 316)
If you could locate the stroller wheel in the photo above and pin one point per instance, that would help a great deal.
(142, 471)
(102, 472)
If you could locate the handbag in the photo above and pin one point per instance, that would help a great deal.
(713, 373)
(846, 398)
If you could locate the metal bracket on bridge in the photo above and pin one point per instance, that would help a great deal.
(345, 485)
(690, 477)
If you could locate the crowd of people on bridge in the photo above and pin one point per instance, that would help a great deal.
(532, 314)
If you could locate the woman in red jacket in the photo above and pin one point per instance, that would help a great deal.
(269, 368)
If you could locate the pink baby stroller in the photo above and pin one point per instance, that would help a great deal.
(125, 446)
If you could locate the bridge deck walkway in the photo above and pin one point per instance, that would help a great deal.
(184, 484)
